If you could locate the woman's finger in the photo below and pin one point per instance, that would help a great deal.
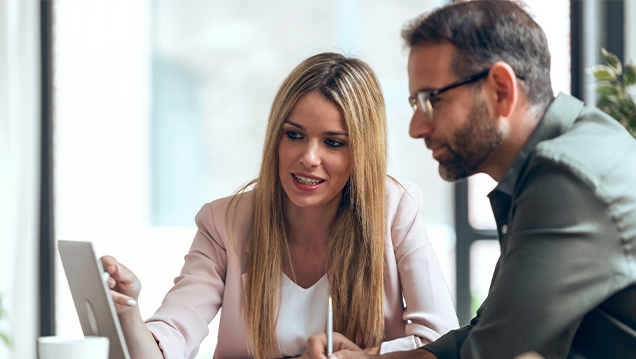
(316, 345)
(117, 270)
(120, 278)
(112, 283)
(122, 300)
(110, 264)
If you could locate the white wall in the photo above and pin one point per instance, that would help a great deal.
(19, 170)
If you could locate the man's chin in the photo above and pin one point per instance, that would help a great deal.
(453, 174)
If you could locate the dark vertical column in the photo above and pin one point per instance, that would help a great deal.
(615, 28)
(47, 244)
(576, 49)
(594, 24)
(464, 236)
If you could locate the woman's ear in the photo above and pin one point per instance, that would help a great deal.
(503, 83)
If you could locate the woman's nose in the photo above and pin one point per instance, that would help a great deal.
(311, 156)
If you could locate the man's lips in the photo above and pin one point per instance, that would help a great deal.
(437, 151)
(436, 146)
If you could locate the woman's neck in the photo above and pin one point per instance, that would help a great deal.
(309, 226)
(308, 230)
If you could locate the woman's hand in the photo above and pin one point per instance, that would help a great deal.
(343, 348)
(124, 288)
(124, 285)
(372, 351)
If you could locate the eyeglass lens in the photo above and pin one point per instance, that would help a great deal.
(424, 103)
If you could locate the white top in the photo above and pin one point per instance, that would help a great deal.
(303, 313)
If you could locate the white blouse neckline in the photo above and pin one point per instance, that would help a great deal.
(303, 313)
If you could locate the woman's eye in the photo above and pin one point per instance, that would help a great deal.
(333, 143)
(292, 135)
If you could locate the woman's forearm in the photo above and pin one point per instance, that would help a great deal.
(140, 341)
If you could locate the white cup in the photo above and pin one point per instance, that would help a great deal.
(78, 348)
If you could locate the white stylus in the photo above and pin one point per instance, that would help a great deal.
(329, 328)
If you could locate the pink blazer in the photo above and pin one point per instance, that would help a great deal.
(212, 277)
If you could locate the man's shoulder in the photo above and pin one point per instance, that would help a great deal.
(593, 148)
(598, 151)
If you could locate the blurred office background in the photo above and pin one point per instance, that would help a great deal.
(120, 119)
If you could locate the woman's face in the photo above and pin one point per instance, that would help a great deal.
(314, 153)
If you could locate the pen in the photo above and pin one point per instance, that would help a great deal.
(329, 328)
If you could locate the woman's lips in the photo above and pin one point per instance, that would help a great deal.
(306, 183)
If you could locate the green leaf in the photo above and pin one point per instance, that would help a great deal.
(616, 116)
(607, 90)
(603, 72)
(613, 61)
(626, 106)
(632, 122)
(604, 103)
(629, 77)
(5, 338)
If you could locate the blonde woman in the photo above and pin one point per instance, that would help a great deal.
(322, 218)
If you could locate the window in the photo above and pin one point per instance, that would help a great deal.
(160, 106)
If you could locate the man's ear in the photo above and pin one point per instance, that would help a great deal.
(503, 82)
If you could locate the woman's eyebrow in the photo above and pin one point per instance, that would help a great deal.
(326, 133)
(331, 133)
(296, 125)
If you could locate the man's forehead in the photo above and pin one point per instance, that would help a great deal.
(429, 65)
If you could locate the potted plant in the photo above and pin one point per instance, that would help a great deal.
(3, 336)
(612, 90)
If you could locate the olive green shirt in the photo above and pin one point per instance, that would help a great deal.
(565, 283)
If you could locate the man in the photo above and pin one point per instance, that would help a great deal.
(565, 204)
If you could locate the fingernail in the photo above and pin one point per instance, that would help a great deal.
(118, 269)
(131, 303)
(105, 276)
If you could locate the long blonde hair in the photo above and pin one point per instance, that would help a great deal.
(356, 244)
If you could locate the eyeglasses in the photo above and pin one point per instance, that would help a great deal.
(422, 99)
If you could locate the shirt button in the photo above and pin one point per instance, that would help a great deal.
(504, 229)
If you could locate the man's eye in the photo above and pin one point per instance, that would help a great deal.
(434, 101)
(333, 143)
(292, 135)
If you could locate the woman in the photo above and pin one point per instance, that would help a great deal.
(322, 219)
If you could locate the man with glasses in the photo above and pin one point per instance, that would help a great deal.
(565, 203)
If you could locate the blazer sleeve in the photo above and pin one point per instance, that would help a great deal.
(181, 323)
(429, 311)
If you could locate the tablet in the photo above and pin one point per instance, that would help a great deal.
(91, 295)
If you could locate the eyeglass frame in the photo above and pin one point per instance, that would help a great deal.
(416, 101)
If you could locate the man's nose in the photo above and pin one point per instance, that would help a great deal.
(419, 126)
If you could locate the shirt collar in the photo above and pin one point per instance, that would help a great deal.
(560, 116)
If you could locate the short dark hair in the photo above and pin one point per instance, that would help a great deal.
(485, 32)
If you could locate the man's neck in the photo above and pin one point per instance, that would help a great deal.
(520, 127)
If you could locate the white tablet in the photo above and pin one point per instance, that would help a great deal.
(91, 295)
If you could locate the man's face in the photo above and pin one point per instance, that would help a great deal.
(463, 133)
